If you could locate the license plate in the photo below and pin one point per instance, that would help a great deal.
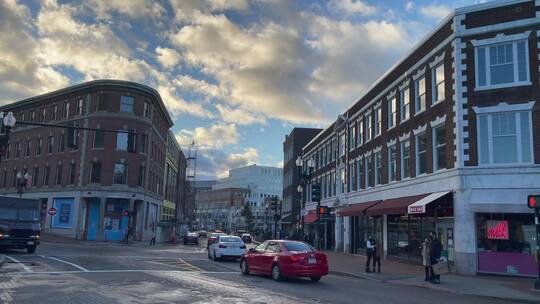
(312, 261)
(30, 243)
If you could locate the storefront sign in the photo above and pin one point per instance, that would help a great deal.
(497, 230)
(417, 209)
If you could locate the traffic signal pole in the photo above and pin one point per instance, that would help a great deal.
(537, 224)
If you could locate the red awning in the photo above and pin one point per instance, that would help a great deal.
(394, 205)
(357, 209)
(311, 217)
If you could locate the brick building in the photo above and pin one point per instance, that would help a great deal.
(222, 209)
(91, 186)
(445, 141)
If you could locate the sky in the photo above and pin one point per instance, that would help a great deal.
(235, 75)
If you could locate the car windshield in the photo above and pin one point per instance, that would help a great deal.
(11, 213)
(28, 215)
(297, 246)
(230, 239)
(192, 234)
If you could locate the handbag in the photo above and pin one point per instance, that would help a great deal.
(442, 266)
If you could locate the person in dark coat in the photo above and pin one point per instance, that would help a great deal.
(370, 253)
(435, 255)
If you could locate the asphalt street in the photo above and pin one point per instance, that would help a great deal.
(86, 272)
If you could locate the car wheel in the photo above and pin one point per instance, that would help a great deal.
(31, 249)
(315, 279)
(244, 267)
(276, 273)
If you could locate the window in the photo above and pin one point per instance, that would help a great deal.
(61, 143)
(54, 112)
(359, 173)
(369, 128)
(33, 115)
(142, 170)
(120, 174)
(100, 100)
(342, 181)
(404, 104)
(28, 147)
(43, 115)
(341, 146)
(46, 175)
(438, 83)
(80, 106)
(59, 174)
(420, 95)
(421, 154)
(405, 159)
(146, 109)
(50, 143)
(369, 172)
(352, 177)
(392, 112)
(66, 109)
(39, 146)
(378, 122)
(95, 173)
(360, 133)
(505, 138)
(502, 64)
(352, 136)
(333, 183)
(72, 174)
(392, 163)
(126, 104)
(35, 175)
(99, 139)
(122, 140)
(439, 148)
(22, 116)
(378, 168)
(18, 149)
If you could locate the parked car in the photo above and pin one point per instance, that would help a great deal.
(203, 233)
(246, 237)
(191, 238)
(212, 238)
(283, 259)
(227, 246)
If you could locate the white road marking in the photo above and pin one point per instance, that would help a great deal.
(122, 271)
(26, 268)
(69, 263)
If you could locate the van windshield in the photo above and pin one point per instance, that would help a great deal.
(14, 214)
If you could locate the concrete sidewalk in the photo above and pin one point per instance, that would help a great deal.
(508, 288)
(55, 238)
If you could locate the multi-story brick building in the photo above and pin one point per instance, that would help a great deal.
(445, 141)
(91, 186)
(222, 209)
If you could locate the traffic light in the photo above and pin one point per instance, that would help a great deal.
(533, 201)
(73, 136)
(126, 213)
(316, 192)
(323, 211)
(132, 142)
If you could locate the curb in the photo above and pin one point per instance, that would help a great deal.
(354, 275)
(2, 261)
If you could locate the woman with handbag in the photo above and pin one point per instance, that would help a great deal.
(426, 247)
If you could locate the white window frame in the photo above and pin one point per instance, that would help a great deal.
(435, 83)
(376, 175)
(352, 137)
(342, 144)
(392, 146)
(367, 168)
(417, 153)
(377, 117)
(350, 172)
(417, 109)
(360, 132)
(435, 147)
(369, 127)
(405, 92)
(401, 158)
(359, 172)
(392, 113)
(506, 108)
(502, 40)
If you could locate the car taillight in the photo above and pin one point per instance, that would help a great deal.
(296, 258)
(222, 246)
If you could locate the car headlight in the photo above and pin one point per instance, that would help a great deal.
(4, 235)
(34, 236)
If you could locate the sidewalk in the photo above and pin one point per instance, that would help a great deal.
(508, 288)
(55, 238)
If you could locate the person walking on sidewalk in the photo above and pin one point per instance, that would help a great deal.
(426, 246)
(370, 252)
(377, 257)
(435, 255)
(153, 238)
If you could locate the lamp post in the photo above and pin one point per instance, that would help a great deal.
(305, 179)
(7, 123)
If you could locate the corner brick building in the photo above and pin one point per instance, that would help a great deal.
(91, 186)
(446, 141)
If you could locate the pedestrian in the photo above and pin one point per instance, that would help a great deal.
(435, 255)
(426, 246)
(153, 238)
(377, 257)
(370, 252)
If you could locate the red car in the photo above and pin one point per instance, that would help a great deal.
(283, 259)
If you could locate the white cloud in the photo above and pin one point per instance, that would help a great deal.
(130, 8)
(221, 5)
(188, 83)
(279, 164)
(178, 105)
(409, 5)
(437, 12)
(239, 116)
(167, 57)
(215, 163)
(350, 7)
(215, 136)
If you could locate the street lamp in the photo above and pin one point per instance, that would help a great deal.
(7, 123)
(305, 178)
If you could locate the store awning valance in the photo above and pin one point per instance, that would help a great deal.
(357, 209)
(311, 217)
(420, 206)
(395, 205)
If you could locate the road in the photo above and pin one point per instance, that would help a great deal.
(86, 272)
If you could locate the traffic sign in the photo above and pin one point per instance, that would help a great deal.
(52, 211)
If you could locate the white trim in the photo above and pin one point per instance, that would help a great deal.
(405, 84)
(505, 107)
(377, 105)
(405, 136)
(499, 86)
(367, 154)
(391, 142)
(486, 5)
(421, 72)
(392, 94)
(438, 121)
(501, 38)
(498, 27)
(377, 149)
(420, 129)
(422, 203)
(437, 60)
